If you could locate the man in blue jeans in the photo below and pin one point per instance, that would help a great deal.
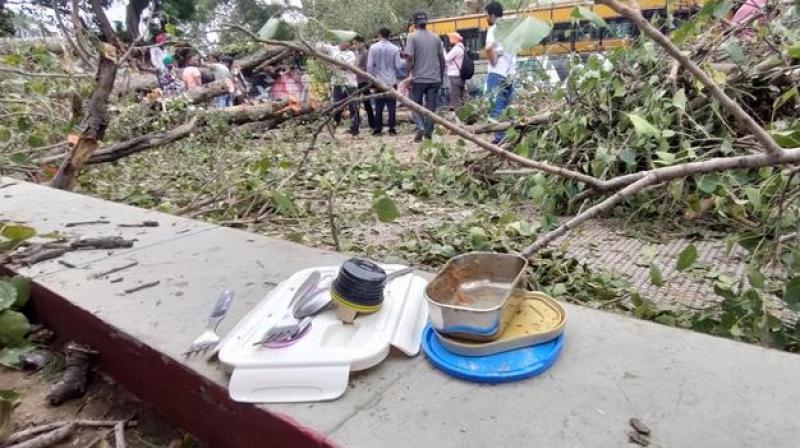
(500, 74)
(425, 62)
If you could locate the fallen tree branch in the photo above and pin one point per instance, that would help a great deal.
(144, 142)
(633, 14)
(49, 438)
(44, 75)
(535, 120)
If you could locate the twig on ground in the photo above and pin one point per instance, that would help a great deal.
(73, 381)
(67, 264)
(109, 242)
(115, 270)
(332, 221)
(141, 287)
(141, 224)
(49, 438)
(119, 435)
(86, 223)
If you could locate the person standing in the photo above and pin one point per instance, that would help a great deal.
(502, 67)
(384, 63)
(222, 74)
(455, 60)
(344, 83)
(363, 83)
(191, 74)
(425, 60)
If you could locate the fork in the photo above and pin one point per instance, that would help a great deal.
(210, 339)
(289, 325)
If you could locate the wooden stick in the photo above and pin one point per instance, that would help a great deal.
(119, 435)
(49, 438)
(115, 270)
(141, 287)
(86, 223)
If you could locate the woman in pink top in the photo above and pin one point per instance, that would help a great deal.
(191, 74)
(454, 59)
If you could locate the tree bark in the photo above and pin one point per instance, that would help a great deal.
(97, 118)
(144, 142)
(97, 122)
(133, 17)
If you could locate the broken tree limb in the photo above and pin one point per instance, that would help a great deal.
(49, 438)
(115, 270)
(73, 381)
(109, 242)
(44, 75)
(144, 142)
(633, 14)
(97, 122)
(535, 120)
(142, 286)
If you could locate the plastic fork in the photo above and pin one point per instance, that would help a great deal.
(210, 339)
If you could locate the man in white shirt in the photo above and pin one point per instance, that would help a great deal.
(344, 82)
(502, 67)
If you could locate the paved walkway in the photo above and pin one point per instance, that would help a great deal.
(691, 389)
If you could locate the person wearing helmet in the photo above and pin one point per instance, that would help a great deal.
(425, 65)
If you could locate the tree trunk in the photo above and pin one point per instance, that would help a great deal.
(133, 17)
(96, 124)
(138, 144)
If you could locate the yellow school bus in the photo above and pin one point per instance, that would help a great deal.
(567, 35)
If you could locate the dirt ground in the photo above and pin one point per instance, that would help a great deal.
(103, 401)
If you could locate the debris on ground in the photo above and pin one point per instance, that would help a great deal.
(76, 374)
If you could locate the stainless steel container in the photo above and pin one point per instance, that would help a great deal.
(471, 298)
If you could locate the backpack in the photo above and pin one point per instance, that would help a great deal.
(467, 69)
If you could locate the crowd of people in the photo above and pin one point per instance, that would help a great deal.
(424, 70)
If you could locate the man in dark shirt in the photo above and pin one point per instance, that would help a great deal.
(425, 62)
(362, 52)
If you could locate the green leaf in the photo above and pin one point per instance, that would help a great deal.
(686, 258)
(520, 33)
(385, 209)
(755, 277)
(642, 126)
(283, 204)
(667, 158)
(24, 124)
(17, 232)
(9, 356)
(793, 52)
(477, 236)
(649, 252)
(655, 275)
(169, 28)
(22, 285)
(787, 139)
(5, 135)
(339, 36)
(580, 12)
(786, 96)
(791, 293)
(8, 295)
(465, 112)
(628, 156)
(276, 29)
(13, 327)
(679, 99)
(13, 59)
(734, 52)
(35, 140)
(9, 399)
(754, 196)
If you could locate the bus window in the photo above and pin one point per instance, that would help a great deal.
(618, 29)
(472, 39)
(561, 33)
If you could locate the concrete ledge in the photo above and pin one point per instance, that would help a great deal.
(691, 389)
